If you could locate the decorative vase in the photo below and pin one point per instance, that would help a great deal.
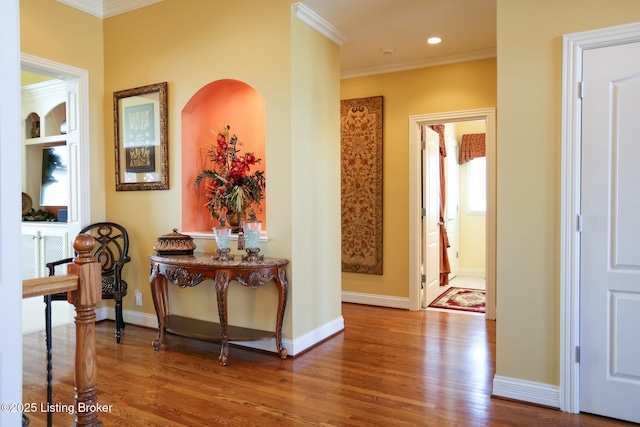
(222, 233)
(235, 219)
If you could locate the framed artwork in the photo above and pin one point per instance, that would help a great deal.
(141, 142)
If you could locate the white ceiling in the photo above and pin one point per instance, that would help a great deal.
(467, 29)
(366, 28)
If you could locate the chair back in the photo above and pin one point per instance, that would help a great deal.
(112, 248)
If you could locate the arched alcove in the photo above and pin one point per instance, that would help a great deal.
(214, 105)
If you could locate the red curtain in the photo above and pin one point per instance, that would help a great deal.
(472, 146)
(445, 267)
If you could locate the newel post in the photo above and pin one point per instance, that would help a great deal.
(85, 299)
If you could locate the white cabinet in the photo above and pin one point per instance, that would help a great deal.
(43, 242)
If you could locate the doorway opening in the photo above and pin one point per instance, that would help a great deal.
(48, 241)
(416, 123)
(464, 219)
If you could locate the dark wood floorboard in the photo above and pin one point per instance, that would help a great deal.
(389, 367)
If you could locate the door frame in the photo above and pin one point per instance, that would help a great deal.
(573, 47)
(415, 122)
(10, 168)
(81, 194)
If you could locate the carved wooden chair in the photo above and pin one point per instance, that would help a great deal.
(112, 251)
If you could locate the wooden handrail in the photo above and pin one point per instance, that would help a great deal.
(49, 285)
(83, 285)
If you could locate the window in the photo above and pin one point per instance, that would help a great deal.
(477, 186)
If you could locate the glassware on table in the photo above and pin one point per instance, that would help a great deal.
(222, 234)
(252, 228)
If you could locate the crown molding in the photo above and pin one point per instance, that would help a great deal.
(318, 23)
(443, 60)
(107, 8)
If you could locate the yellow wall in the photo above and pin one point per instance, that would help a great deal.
(56, 32)
(315, 177)
(28, 78)
(454, 87)
(189, 44)
(529, 142)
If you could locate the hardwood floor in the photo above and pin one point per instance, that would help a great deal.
(389, 367)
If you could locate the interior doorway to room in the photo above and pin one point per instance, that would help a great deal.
(476, 120)
(46, 241)
(463, 181)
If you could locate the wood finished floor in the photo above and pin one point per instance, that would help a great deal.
(389, 367)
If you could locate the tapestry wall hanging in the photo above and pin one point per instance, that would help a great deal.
(361, 169)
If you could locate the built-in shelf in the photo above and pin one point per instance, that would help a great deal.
(53, 139)
(44, 113)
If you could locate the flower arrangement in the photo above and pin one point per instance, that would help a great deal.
(230, 186)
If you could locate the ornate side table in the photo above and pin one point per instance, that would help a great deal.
(189, 270)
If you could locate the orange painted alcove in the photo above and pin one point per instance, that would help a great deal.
(213, 106)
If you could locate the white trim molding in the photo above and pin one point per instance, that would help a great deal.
(376, 300)
(412, 65)
(573, 47)
(107, 8)
(415, 196)
(526, 391)
(318, 23)
(67, 72)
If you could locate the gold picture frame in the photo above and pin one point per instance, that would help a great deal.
(141, 141)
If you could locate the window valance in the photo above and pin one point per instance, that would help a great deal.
(472, 146)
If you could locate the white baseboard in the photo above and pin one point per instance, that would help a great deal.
(130, 316)
(312, 338)
(293, 347)
(101, 313)
(377, 300)
(299, 344)
(472, 272)
(527, 391)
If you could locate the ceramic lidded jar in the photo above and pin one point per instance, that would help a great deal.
(174, 244)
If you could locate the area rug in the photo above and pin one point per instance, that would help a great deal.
(461, 299)
(361, 177)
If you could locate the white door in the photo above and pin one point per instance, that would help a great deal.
(453, 202)
(610, 238)
(76, 165)
(431, 219)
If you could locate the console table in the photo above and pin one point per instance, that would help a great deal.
(189, 270)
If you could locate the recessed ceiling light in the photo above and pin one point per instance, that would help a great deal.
(434, 40)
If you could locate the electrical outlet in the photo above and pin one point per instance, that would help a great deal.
(138, 295)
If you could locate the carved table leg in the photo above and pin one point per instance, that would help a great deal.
(283, 292)
(221, 283)
(159, 294)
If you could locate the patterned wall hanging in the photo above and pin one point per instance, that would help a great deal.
(361, 168)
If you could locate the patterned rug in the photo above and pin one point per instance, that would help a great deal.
(461, 299)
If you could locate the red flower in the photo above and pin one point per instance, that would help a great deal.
(233, 188)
